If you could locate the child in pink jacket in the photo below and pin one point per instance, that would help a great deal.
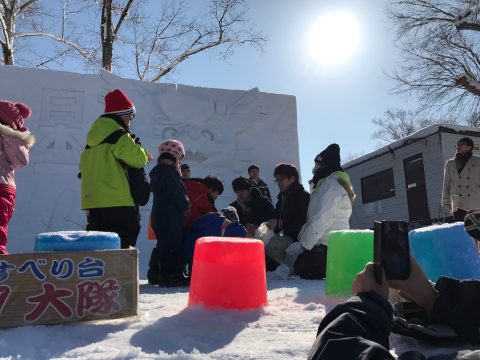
(15, 141)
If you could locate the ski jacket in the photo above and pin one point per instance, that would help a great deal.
(329, 209)
(104, 180)
(14, 152)
(260, 209)
(200, 203)
(170, 200)
(356, 329)
(359, 328)
(291, 208)
(211, 224)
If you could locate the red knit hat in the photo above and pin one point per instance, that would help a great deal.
(116, 102)
(173, 147)
(13, 115)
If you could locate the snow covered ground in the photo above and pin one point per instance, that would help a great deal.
(166, 329)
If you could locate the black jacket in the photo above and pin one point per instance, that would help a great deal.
(242, 214)
(291, 210)
(169, 202)
(259, 209)
(359, 328)
(356, 329)
(263, 187)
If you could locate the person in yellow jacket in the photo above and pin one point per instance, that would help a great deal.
(106, 193)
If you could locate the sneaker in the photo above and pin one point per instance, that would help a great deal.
(472, 223)
(186, 271)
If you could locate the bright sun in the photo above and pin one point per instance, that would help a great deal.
(334, 38)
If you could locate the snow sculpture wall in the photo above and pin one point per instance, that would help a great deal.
(224, 131)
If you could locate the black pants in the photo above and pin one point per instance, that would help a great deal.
(459, 215)
(123, 220)
(312, 264)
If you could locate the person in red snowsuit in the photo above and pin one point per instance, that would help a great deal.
(15, 142)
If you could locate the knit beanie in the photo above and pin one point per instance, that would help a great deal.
(14, 115)
(330, 161)
(330, 156)
(173, 147)
(117, 103)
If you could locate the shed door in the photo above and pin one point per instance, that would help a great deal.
(416, 188)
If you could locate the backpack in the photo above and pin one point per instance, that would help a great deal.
(137, 178)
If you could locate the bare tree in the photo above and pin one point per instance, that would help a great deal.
(438, 40)
(396, 124)
(173, 38)
(109, 31)
(126, 35)
(29, 19)
(10, 14)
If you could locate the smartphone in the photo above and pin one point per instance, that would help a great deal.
(391, 250)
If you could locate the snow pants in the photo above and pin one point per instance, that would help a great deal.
(123, 220)
(7, 204)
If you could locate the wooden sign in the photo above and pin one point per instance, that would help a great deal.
(52, 288)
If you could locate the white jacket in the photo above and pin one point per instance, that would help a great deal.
(329, 209)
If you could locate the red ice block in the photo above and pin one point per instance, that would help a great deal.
(228, 273)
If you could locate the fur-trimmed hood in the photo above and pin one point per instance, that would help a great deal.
(26, 136)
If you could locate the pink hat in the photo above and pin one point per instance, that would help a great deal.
(173, 147)
(116, 102)
(13, 115)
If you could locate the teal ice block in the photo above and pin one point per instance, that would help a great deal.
(445, 250)
(76, 241)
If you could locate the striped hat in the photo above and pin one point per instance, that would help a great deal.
(117, 103)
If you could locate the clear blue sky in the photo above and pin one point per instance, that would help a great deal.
(334, 104)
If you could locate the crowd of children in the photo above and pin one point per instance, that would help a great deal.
(184, 207)
(295, 230)
(184, 210)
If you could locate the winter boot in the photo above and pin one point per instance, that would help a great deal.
(153, 274)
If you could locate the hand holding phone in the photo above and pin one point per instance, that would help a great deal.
(391, 250)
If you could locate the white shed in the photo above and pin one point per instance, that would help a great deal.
(403, 180)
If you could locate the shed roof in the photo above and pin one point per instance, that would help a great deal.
(417, 136)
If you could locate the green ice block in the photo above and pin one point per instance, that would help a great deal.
(348, 252)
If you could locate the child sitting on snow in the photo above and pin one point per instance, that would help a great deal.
(15, 141)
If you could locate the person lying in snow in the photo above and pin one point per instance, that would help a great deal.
(211, 224)
(360, 327)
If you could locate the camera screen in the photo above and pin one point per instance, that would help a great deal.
(395, 250)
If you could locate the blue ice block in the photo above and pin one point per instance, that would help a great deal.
(76, 241)
(445, 250)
